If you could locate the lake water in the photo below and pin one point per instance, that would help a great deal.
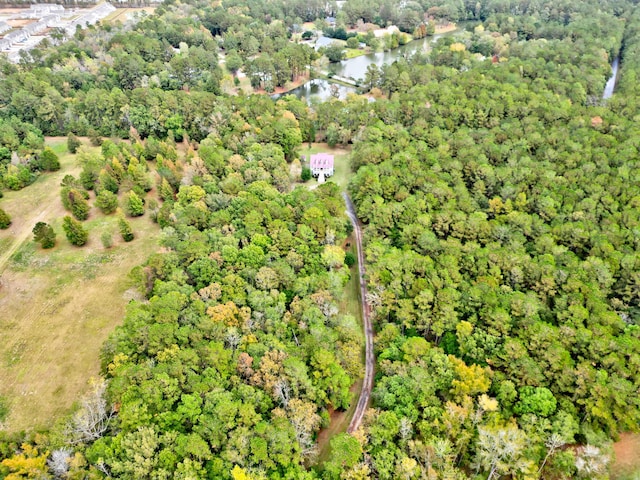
(355, 68)
(318, 89)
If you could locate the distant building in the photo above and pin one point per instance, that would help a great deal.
(321, 164)
(323, 41)
(390, 30)
(90, 17)
(42, 9)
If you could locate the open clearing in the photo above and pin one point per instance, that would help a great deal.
(342, 166)
(124, 14)
(627, 461)
(350, 305)
(58, 306)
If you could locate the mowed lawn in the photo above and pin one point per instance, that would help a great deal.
(342, 165)
(350, 302)
(349, 305)
(58, 306)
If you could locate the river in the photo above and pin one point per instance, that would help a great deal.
(355, 68)
(611, 83)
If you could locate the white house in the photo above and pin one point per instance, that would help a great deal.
(390, 30)
(321, 163)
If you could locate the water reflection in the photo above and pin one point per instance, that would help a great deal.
(319, 90)
(355, 68)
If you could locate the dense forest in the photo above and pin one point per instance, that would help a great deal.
(500, 200)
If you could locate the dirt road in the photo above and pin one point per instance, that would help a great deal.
(367, 384)
(21, 235)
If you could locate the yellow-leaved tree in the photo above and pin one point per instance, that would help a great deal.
(29, 463)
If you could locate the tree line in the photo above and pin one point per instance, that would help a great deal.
(499, 199)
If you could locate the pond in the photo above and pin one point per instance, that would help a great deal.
(355, 68)
(318, 89)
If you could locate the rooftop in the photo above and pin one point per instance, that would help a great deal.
(321, 160)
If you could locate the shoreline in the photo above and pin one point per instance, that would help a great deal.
(302, 79)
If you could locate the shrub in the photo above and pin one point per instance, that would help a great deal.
(125, 229)
(349, 259)
(75, 232)
(5, 219)
(73, 143)
(107, 239)
(306, 174)
(75, 201)
(353, 42)
(134, 205)
(49, 161)
(107, 202)
(94, 137)
(44, 234)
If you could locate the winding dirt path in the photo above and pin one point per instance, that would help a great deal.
(367, 384)
(21, 235)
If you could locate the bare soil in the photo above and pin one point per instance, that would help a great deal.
(367, 383)
(338, 423)
(627, 455)
(20, 22)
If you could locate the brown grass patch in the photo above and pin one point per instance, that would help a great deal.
(58, 306)
(124, 14)
(20, 22)
(627, 456)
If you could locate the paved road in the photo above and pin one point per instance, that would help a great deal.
(367, 384)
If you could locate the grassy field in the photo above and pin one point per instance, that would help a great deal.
(58, 306)
(354, 52)
(350, 304)
(342, 167)
(124, 14)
